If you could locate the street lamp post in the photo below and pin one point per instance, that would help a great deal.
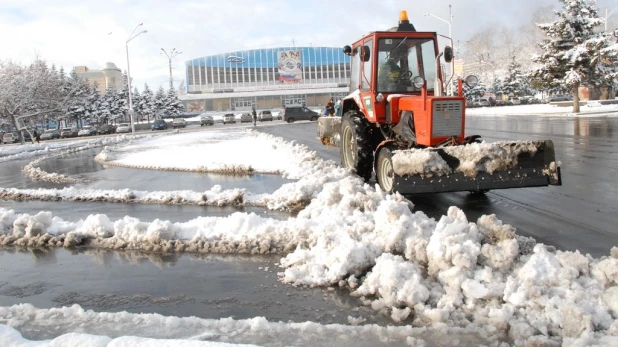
(131, 37)
(171, 55)
(607, 14)
(450, 35)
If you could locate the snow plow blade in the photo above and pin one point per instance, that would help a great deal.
(328, 130)
(480, 167)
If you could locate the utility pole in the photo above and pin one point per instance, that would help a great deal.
(171, 55)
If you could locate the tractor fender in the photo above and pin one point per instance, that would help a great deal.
(378, 148)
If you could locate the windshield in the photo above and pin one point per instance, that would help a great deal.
(124, 124)
(401, 60)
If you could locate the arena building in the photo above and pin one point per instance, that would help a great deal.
(266, 78)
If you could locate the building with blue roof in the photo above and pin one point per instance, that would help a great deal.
(266, 78)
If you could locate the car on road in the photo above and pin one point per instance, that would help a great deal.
(206, 120)
(87, 130)
(179, 123)
(50, 134)
(106, 129)
(246, 118)
(229, 118)
(68, 132)
(265, 115)
(294, 113)
(123, 128)
(516, 101)
(159, 124)
(9, 138)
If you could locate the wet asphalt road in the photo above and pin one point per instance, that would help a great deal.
(578, 215)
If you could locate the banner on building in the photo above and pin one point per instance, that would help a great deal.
(459, 68)
(290, 67)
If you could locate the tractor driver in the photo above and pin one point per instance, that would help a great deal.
(388, 72)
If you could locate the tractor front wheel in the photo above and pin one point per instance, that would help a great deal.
(385, 174)
(356, 145)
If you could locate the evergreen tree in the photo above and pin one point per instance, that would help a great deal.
(121, 106)
(514, 81)
(472, 93)
(93, 105)
(159, 101)
(110, 112)
(574, 53)
(137, 104)
(173, 106)
(147, 104)
(496, 86)
(77, 110)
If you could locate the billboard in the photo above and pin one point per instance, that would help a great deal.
(290, 67)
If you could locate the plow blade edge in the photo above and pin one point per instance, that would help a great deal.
(513, 167)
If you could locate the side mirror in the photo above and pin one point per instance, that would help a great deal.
(448, 54)
(365, 53)
(347, 50)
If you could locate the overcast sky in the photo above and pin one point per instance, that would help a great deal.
(87, 32)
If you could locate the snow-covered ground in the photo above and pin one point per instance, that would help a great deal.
(443, 276)
(594, 110)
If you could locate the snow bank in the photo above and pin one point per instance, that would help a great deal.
(234, 152)
(75, 326)
(36, 174)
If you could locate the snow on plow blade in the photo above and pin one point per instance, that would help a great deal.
(328, 130)
(476, 167)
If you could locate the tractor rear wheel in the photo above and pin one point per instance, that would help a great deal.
(385, 174)
(356, 145)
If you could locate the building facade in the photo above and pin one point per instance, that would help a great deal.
(266, 78)
(108, 77)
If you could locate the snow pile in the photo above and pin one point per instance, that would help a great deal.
(426, 163)
(36, 174)
(473, 158)
(213, 197)
(75, 326)
(213, 152)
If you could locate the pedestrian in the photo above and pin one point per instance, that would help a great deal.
(330, 107)
(338, 108)
(36, 136)
(254, 117)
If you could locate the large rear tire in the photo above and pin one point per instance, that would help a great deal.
(356, 145)
(385, 174)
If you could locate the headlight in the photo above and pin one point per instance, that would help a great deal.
(472, 81)
(418, 82)
(379, 97)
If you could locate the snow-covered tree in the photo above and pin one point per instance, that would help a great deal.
(496, 86)
(574, 53)
(173, 106)
(515, 79)
(32, 93)
(147, 104)
(121, 106)
(77, 110)
(471, 93)
(159, 101)
(137, 104)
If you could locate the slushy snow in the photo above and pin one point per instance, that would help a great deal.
(437, 275)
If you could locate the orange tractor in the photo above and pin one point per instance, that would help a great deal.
(398, 123)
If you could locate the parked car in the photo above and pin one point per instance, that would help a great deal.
(9, 138)
(68, 132)
(159, 124)
(484, 102)
(106, 129)
(179, 123)
(206, 120)
(50, 134)
(246, 118)
(265, 116)
(294, 113)
(87, 130)
(555, 98)
(516, 101)
(229, 118)
(123, 128)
